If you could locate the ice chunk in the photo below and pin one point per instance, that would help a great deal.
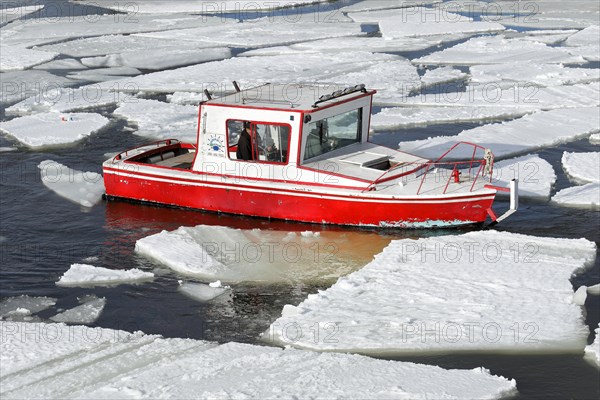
(594, 290)
(592, 352)
(156, 119)
(580, 296)
(62, 64)
(21, 84)
(86, 313)
(104, 74)
(89, 275)
(531, 73)
(442, 75)
(587, 196)
(482, 291)
(583, 167)
(372, 5)
(53, 129)
(234, 255)
(595, 138)
(83, 188)
(18, 58)
(536, 175)
(585, 43)
(8, 14)
(7, 149)
(541, 129)
(32, 304)
(498, 50)
(202, 292)
(58, 361)
(186, 98)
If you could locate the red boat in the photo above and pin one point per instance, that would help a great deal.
(288, 152)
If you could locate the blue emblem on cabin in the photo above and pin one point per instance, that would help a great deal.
(215, 143)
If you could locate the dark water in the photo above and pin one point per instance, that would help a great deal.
(41, 235)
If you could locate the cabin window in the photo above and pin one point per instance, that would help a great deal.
(264, 142)
(333, 133)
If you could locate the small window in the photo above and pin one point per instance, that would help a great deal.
(250, 141)
(333, 133)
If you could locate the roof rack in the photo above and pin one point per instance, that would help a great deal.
(340, 93)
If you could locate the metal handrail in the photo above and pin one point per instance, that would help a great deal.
(157, 143)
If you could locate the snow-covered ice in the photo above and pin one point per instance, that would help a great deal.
(482, 291)
(442, 75)
(160, 120)
(61, 64)
(53, 129)
(534, 131)
(89, 275)
(592, 352)
(373, 5)
(585, 43)
(86, 313)
(21, 84)
(14, 306)
(201, 292)
(18, 58)
(585, 196)
(595, 138)
(83, 188)
(59, 361)
(532, 72)
(583, 167)
(552, 14)
(234, 255)
(186, 98)
(104, 74)
(536, 175)
(498, 50)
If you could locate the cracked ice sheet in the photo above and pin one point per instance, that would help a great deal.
(99, 363)
(531, 132)
(53, 30)
(294, 68)
(536, 176)
(158, 120)
(19, 85)
(499, 50)
(583, 167)
(470, 290)
(16, 58)
(83, 188)
(373, 44)
(53, 129)
(552, 14)
(539, 74)
(374, 5)
(243, 8)
(258, 255)
(88, 275)
(442, 75)
(421, 21)
(265, 32)
(585, 43)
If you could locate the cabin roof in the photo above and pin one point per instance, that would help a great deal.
(292, 97)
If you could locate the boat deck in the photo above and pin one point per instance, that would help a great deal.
(183, 161)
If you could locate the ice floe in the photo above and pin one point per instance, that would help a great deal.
(69, 64)
(442, 75)
(585, 196)
(83, 188)
(86, 313)
(104, 74)
(585, 43)
(536, 175)
(89, 275)
(186, 98)
(482, 291)
(532, 72)
(201, 292)
(498, 50)
(58, 361)
(156, 119)
(234, 255)
(19, 85)
(583, 167)
(595, 138)
(18, 58)
(14, 307)
(53, 129)
(592, 352)
(551, 14)
(534, 131)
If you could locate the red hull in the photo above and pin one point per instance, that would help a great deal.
(322, 208)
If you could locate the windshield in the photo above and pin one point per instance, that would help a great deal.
(333, 133)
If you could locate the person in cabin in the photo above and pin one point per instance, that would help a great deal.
(244, 145)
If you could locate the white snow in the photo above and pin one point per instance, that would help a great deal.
(104, 74)
(89, 275)
(592, 352)
(498, 50)
(536, 175)
(585, 43)
(482, 291)
(86, 313)
(583, 167)
(201, 292)
(441, 75)
(8, 13)
(586, 196)
(21, 84)
(53, 129)
(83, 188)
(59, 361)
(156, 119)
(532, 72)
(552, 14)
(595, 138)
(18, 58)
(372, 5)
(11, 305)
(534, 131)
(235, 255)
(186, 98)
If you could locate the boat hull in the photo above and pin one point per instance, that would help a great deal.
(300, 205)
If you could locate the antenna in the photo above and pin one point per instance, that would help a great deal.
(236, 86)
(207, 94)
